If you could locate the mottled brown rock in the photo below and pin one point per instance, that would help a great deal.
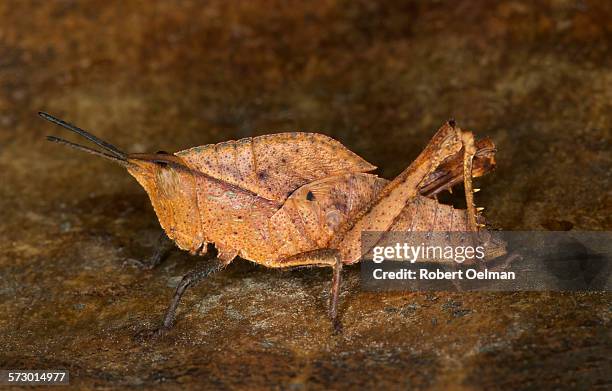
(532, 75)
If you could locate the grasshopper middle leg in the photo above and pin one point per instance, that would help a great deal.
(322, 257)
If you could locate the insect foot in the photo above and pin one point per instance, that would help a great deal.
(337, 327)
(150, 334)
(142, 265)
(163, 247)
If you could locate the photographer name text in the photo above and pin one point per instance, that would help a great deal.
(426, 274)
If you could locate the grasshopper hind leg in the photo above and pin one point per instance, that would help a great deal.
(469, 150)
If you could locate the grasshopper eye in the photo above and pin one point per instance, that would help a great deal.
(310, 196)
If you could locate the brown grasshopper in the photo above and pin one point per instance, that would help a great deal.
(296, 199)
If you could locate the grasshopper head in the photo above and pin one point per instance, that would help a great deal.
(171, 186)
(169, 183)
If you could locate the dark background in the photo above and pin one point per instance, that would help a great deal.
(380, 77)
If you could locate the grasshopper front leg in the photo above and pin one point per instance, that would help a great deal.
(193, 277)
(190, 279)
(163, 248)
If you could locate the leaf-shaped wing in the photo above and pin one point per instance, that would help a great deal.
(273, 166)
(313, 213)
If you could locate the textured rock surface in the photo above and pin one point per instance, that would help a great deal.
(381, 78)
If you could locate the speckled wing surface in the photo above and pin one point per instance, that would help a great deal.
(273, 166)
(313, 213)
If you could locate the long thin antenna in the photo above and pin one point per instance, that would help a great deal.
(109, 147)
(114, 158)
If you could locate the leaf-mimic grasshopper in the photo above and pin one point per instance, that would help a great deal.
(296, 199)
